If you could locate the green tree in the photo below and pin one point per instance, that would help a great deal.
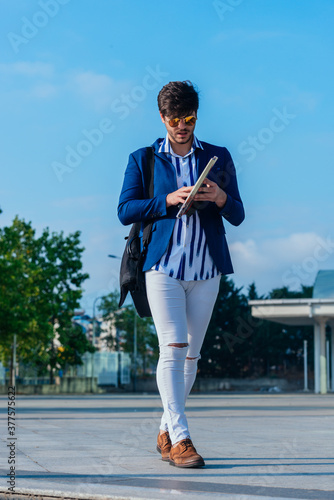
(284, 342)
(222, 347)
(74, 344)
(19, 293)
(147, 341)
(238, 345)
(40, 287)
(110, 310)
(124, 323)
(59, 257)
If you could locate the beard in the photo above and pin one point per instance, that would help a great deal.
(183, 139)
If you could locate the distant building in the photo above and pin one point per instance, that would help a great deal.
(104, 330)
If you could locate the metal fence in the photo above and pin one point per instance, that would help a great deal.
(2, 374)
(107, 367)
(110, 368)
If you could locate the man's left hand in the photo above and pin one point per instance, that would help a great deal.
(210, 191)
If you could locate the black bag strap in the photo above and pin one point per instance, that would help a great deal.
(150, 170)
(134, 253)
(149, 178)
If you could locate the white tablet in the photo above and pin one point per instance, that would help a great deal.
(187, 204)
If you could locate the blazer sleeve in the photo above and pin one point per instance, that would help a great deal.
(233, 210)
(134, 204)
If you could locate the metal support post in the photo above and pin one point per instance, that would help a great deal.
(305, 367)
(316, 358)
(323, 367)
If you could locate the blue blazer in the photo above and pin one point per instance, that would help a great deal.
(135, 204)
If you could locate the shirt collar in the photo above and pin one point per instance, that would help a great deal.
(166, 147)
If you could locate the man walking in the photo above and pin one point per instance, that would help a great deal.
(185, 257)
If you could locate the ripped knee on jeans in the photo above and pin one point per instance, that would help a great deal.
(196, 358)
(178, 345)
(174, 351)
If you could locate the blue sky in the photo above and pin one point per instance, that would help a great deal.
(78, 88)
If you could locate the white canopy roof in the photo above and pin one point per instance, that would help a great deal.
(300, 311)
(293, 311)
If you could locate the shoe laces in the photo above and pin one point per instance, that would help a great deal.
(166, 439)
(187, 443)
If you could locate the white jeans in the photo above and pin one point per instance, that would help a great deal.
(181, 312)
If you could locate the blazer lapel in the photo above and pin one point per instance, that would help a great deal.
(168, 174)
(202, 158)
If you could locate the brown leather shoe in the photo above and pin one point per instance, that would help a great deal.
(164, 445)
(184, 454)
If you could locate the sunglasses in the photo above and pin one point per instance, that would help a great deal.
(188, 120)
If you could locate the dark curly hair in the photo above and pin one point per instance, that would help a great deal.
(178, 99)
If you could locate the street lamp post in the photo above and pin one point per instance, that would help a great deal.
(93, 339)
(13, 363)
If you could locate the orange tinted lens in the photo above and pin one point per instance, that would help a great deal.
(174, 122)
(190, 120)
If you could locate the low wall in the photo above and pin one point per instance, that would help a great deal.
(244, 384)
(64, 385)
(229, 384)
(82, 385)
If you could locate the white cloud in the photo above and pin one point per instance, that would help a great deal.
(79, 203)
(302, 101)
(293, 248)
(28, 80)
(88, 82)
(288, 261)
(28, 69)
(43, 91)
(97, 90)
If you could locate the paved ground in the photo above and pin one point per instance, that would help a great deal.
(256, 446)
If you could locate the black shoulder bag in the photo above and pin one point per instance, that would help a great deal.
(132, 278)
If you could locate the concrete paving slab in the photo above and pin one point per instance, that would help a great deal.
(255, 446)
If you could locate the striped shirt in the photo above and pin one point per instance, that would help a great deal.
(187, 256)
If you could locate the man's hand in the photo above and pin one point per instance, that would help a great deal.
(211, 192)
(179, 196)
